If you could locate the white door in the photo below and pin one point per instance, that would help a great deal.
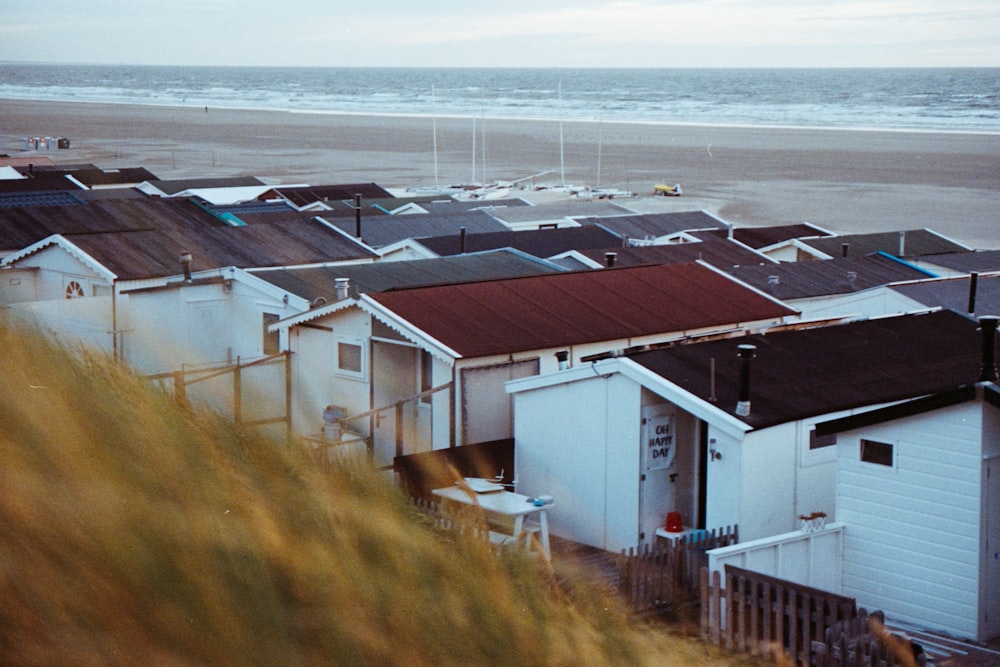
(658, 463)
(991, 573)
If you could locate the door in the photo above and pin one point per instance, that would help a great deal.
(658, 467)
(487, 408)
(394, 377)
(991, 573)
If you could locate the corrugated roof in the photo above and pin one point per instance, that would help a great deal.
(953, 293)
(313, 282)
(914, 242)
(805, 373)
(714, 248)
(176, 186)
(538, 242)
(378, 231)
(976, 260)
(515, 315)
(558, 211)
(761, 237)
(796, 280)
(448, 206)
(654, 225)
(154, 253)
(310, 194)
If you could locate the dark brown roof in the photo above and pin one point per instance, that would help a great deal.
(654, 225)
(176, 186)
(538, 242)
(914, 242)
(842, 275)
(516, 315)
(761, 237)
(715, 248)
(953, 293)
(381, 230)
(977, 260)
(155, 253)
(811, 372)
(304, 195)
(313, 282)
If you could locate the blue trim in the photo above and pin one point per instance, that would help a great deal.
(883, 253)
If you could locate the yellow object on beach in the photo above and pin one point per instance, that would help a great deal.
(665, 190)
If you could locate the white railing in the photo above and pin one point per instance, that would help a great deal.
(812, 559)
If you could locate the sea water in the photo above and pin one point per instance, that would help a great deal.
(945, 99)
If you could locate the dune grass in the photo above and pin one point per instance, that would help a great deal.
(138, 531)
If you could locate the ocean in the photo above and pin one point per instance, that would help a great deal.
(946, 99)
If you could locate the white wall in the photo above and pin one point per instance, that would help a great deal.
(912, 541)
(579, 443)
(867, 303)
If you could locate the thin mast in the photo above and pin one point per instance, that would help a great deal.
(434, 129)
(562, 160)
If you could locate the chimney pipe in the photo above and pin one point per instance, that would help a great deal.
(843, 249)
(562, 356)
(746, 356)
(342, 286)
(461, 240)
(186, 264)
(988, 325)
(902, 243)
(973, 286)
(772, 283)
(357, 216)
(852, 277)
(609, 259)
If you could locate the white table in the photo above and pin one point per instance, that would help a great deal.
(506, 504)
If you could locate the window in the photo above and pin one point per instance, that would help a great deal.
(821, 441)
(351, 358)
(271, 345)
(880, 453)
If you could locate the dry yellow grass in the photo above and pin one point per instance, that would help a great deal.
(136, 531)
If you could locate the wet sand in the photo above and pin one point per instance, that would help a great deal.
(843, 180)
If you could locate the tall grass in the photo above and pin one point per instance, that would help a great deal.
(136, 531)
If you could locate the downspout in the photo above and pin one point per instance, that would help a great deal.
(114, 319)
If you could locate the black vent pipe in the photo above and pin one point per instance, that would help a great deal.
(746, 357)
(988, 325)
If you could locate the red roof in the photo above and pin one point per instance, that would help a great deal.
(539, 312)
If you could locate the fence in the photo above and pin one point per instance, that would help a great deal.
(770, 617)
(667, 572)
(250, 391)
(863, 641)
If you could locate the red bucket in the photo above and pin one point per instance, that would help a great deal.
(674, 523)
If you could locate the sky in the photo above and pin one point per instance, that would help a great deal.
(512, 33)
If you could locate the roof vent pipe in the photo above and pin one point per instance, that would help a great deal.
(609, 259)
(902, 243)
(852, 277)
(772, 283)
(973, 286)
(342, 285)
(562, 356)
(746, 356)
(843, 249)
(186, 264)
(988, 325)
(461, 240)
(357, 215)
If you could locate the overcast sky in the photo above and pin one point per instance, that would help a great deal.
(508, 33)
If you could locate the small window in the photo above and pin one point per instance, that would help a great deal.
(351, 359)
(271, 345)
(879, 453)
(821, 441)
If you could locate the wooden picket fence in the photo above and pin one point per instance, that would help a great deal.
(864, 641)
(765, 616)
(666, 573)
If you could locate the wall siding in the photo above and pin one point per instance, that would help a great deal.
(912, 539)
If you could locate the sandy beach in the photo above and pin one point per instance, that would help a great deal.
(843, 180)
